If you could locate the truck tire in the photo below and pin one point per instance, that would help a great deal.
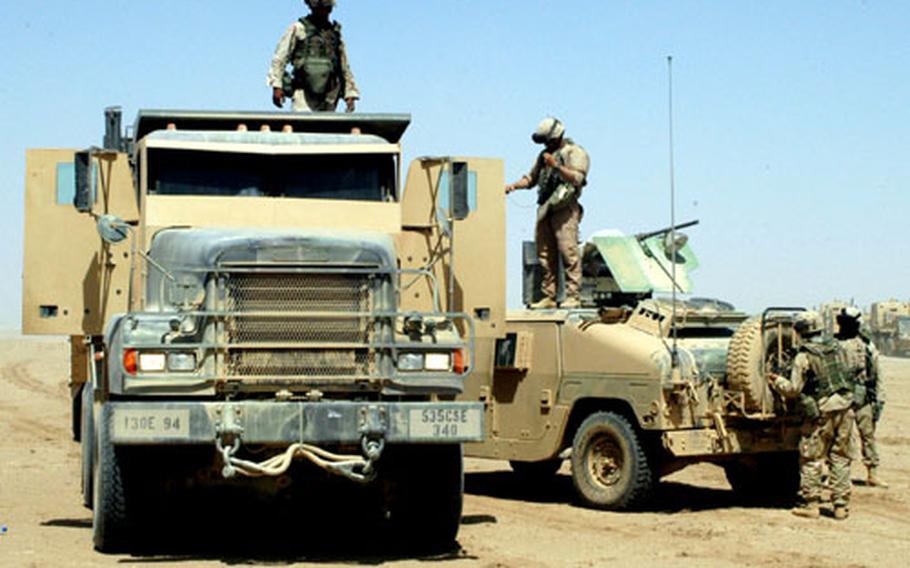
(425, 489)
(112, 501)
(536, 472)
(745, 363)
(764, 477)
(87, 443)
(610, 467)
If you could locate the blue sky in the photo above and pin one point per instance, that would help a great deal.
(792, 122)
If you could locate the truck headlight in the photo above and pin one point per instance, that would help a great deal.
(151, 362)
(410, 362)
(181, 361)
(438, 361)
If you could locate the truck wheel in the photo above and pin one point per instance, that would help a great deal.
(425, 488)
(610, 467)
(745, 361)
(87, 444)
(111, 498)
(533, 472)
(772, 476)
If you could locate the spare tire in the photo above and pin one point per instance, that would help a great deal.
(753, 351)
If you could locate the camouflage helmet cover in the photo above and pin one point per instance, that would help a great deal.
(808, 323)
(851, 312)
(320, 3)
(548, 129)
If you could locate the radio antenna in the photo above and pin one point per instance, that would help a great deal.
(674, 355)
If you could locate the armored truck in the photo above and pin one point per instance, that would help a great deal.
(633, 387)
(889, 326)
(259, 289)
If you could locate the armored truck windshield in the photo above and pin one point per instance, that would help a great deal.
(368, 177)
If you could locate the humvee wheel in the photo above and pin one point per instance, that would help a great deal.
(745, 362)
(111, 499)
(610, 468)
(536, 471)
(425, 489)
(87, 444)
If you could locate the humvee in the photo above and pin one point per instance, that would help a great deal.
(634, 387)
(259, 288)
(889, 326)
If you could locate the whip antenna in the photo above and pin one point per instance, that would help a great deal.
(674, 355)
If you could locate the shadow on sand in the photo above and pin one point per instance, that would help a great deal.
(668, 497)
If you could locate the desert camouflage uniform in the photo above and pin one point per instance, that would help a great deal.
(305, 101)
(824, 437)
(557, 231)
(862, 358)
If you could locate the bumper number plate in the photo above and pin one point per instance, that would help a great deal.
(151, 424)
(444, 423)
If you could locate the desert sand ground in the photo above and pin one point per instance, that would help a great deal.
(695, 521)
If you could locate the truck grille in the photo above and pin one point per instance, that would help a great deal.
(274, 326)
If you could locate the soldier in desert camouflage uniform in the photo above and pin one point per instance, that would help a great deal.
(868, 398)
(824, 386)
(560, 172)
(321, 73)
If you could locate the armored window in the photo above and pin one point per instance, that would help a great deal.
(368, 177)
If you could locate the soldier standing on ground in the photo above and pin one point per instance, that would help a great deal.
(822, 382)
(321, 74)
(868, 398)
(559, 173)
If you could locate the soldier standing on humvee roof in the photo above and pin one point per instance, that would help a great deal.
(868, 398)
(824, 386)
(321, 73)
(560, 173)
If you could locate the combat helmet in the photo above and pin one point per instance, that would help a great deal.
(808, 323)
(320, 3)
(549, 129)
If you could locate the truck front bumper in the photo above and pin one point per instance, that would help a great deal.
(258, 422)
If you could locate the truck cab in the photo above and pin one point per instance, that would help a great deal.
(260, 280)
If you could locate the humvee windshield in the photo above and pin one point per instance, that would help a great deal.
(358, 177)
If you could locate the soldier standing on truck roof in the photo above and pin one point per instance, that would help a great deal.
(320, 73)
(824, 386)
(560, 172)
(868, 397)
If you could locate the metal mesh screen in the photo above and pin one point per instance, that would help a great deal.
(271, 308)
(285, 362)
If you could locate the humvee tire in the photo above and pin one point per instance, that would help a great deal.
(87, 443)
(536, 471)
(111, 499)
(744, 363)
(771, 476)
(610, 468)
(425, 488)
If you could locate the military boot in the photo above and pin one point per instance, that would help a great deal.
(544, 304)
(841, 512)
(873, 480)
(571, 303)
(806, 510)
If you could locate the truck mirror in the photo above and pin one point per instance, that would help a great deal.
(459, 198)
(112, 229)
(83, 176)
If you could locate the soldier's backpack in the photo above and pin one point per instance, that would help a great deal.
(829, 369)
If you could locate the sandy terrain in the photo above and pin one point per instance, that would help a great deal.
(697, 521)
